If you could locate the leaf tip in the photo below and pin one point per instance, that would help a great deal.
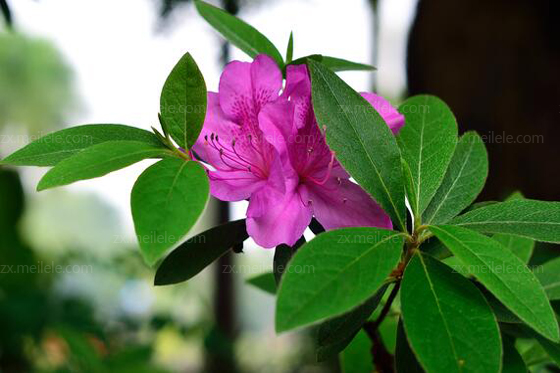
(280, 325)
(555, 334)
(159, 279)
(41, 186)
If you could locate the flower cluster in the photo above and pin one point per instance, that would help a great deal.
(261, 142)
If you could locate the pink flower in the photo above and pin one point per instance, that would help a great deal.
(268, 148)
(231, 141)
(317, 185)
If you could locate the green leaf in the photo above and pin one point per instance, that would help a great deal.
(327, 352)
(333, 63)
(282, 255)
(522, 247)
(531, 352)
(339, 64)
(513, 362)
(435, 248)
(304, 59)
(503, 315)
(427, 142)
(449, 325)
(462, 182)
(99, 160)
(552, 349)
(335, 272)
(405, 360)
(363, 142)
(503, 274)
(167, 200)
(50, 149)
(335, 334)
(183, 102)
(478, 205)
(537, 220)
(356, 358)
(239, 33)
(265, 282)
(409, 186)
(549, 276)
(290, 50)
(199, 251)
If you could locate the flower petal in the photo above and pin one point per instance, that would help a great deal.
(274, 218)
(218, 124)
(390, 115)
(340, 203)
(266, 80)
(237, 185)
(275, 120)
(298, 90)
(246, 87)
(234, 185)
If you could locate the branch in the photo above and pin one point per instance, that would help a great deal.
(382, 359)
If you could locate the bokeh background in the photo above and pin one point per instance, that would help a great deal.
(74, 292)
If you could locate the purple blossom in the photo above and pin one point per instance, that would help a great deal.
(267, 147)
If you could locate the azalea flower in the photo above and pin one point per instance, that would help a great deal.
(317, 185)
(266, 146)
(231, 141)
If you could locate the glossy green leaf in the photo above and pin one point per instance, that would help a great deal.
(463, 181)
(99, 160)
(503, 274)
(290, 50)
(335, 272)
(449, 325)
(167, 200)
(339, 64)
(265, 282)
(239, 33)
(427, 142)
(537, 220)
(512, 362)
(50, 149)
(549, 276)
(405, 360)
(363, 143)
(335, 334)
(183, 102)
(199, 251)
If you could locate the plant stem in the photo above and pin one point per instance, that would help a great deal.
(382, 359)
(387, 307)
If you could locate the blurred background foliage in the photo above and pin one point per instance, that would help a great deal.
(36, 83)
(496, 65)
